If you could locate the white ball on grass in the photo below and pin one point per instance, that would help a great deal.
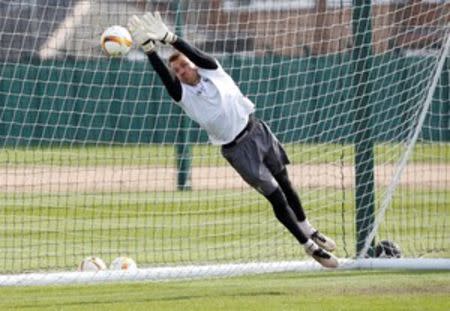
(123, 263)
(92, 264)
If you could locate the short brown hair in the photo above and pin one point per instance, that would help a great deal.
(174, 56)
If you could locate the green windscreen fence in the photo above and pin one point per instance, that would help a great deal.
(120, 102)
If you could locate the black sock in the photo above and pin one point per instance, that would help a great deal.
(291, 195)
(285, 214)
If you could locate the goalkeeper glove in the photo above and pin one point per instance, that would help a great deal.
(157, 29)
(140, 34)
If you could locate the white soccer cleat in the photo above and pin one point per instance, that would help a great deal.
(323, 257)
(323, 241)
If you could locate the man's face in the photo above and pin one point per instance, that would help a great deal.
(185, 70)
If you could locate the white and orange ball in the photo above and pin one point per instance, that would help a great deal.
(123, 263)
(92, 264)
(116, 41)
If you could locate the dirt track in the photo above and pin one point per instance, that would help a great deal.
(140, 178)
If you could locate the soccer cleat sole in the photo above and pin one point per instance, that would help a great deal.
(326, 259)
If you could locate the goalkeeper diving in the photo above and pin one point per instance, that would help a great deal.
(208, 95)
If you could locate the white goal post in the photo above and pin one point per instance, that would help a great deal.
(96, 160)
(190, 272)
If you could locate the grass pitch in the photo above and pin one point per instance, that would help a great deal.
(208, 155)
(41, 233)
(334, 290)
(53, 231)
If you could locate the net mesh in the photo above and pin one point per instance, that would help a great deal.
(90, 160)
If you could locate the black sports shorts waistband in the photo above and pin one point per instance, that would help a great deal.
(247, 128)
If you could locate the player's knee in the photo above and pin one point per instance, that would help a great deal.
(283, 180)
(265, 187)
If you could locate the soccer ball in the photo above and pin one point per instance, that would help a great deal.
(116, 41)
(387, 249)
(123, 263)
(92, 264)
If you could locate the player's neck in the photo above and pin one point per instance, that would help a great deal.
(195, 81)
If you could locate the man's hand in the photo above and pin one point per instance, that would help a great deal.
(140, 34)
(157, 29)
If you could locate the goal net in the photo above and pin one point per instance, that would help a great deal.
(96, 160)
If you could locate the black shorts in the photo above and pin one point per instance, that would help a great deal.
(257, 156)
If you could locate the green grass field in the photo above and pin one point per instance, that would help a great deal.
(41, 232)
(321, 291)
(204, 155)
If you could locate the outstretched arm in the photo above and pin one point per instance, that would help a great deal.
(199, 58)
(142, 37)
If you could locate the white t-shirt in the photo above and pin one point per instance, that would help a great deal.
(217, 105)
